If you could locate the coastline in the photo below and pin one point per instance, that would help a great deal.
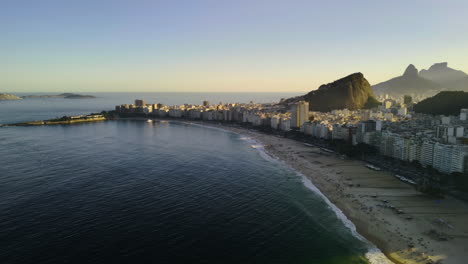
(429, 230)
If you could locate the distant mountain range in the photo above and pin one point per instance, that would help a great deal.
(4, 96)
(438, 77)
(351, 92)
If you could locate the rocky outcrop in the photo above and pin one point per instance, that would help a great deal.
(442, 74)
(4, 96)
(351, 92)
(409, 83)
(411, 71)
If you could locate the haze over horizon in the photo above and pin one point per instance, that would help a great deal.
(222, 46)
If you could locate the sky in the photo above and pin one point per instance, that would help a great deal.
(222, 46)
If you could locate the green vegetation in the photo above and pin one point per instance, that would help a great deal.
(443, 103)
(351, 92)
(407, 99)
(371, 103)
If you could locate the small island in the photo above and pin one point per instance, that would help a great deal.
(63, 95)
(4, 96)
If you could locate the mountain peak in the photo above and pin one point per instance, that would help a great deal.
(444, 75)
(350, 78)
(351, 92)
(439, 66)
(411, 71)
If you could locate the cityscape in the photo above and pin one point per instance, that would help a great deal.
(234, 132)
(393, 129)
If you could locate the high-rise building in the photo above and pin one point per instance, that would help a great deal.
(402, 111)
(463, 114)
(299, 114)
(387, 103)
(407, 99)
(206, 103)
(139, 102)
(367, 126)
(427, 154)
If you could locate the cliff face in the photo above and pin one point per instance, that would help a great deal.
(351, 92)
(410, 82)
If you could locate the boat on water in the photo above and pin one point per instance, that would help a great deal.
(372, 167)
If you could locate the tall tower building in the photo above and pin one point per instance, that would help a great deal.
(299, 114)
(139, 102)
(206, 103)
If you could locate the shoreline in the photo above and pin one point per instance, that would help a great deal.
(426, 230)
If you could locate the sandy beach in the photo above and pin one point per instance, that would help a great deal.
(407, 226)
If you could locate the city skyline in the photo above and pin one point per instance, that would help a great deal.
(212, 46)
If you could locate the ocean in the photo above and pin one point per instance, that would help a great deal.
(160, 192)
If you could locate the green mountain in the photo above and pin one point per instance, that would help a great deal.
(443, 103)
(351, 92)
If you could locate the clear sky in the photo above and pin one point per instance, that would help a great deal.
(218, 45)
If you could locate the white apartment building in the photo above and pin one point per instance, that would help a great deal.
(275, 122)
(285, 124)
(427, 153)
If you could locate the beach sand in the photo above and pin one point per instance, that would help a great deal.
(430, 230)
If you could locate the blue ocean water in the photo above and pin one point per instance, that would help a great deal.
(161, 192)
(47, 108)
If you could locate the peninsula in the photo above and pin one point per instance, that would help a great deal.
(4, 96)
(66, 120)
